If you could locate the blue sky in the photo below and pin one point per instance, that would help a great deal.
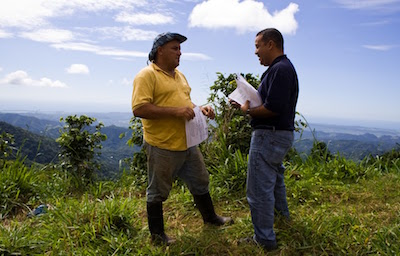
(71, 55)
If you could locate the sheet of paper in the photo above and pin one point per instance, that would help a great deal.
(196, 129)
(245, 91)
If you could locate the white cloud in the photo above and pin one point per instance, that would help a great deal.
(195, 56)
(381, 47)
(243, 16)
(49, 35)
(5, 34)
(99, 50)
(22, 78)
(144, 18)
(77, 69)
(107, 51)
(368, 4)
(33, 14)
(126, 81)
(1, 69)
(125, 33)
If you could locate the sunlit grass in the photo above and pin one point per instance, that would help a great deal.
(331, 214)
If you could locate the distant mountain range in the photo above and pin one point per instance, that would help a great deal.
(35, 138)
(39, 130)
(352, 142)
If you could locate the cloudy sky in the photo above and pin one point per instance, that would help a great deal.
(82, 56)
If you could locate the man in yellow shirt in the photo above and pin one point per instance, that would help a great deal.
(161, 97)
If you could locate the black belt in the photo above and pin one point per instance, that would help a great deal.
(264, 127)
(269, 127)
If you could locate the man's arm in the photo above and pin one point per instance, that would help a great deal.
(150, 111)
(260, 111)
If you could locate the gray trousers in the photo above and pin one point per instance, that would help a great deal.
(164, 166)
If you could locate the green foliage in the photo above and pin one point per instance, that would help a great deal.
(320, 151)
(6, 140)
(228, 167)
(18, 184)
(386, 162)
(138, 163)
(79, 147)
(230, 122)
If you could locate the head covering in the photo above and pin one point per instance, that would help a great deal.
(162, 39)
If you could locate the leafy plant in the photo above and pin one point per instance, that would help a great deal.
(138, 163)
(79, 146)
(18, 185)
(230, 122)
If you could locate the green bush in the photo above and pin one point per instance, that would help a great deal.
(138, 163)
(79, 146)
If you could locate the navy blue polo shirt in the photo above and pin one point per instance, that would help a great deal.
(279, 90)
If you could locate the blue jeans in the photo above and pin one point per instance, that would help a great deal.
(266, 189)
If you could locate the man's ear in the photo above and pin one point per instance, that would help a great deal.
(270, 44)
(159, 50)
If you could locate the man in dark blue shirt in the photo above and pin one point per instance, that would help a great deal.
(272, 136)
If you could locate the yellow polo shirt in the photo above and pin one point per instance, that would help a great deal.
(155, 86)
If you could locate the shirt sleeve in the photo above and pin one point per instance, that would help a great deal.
(143, 87)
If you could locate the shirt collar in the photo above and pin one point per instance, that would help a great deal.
(160, 69)
(277, 59)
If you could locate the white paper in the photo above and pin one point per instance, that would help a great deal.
(196, 129)
(244, 92)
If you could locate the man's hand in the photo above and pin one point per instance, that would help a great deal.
(234, 104)
(243, 107)
(185, 112)
(208, 111)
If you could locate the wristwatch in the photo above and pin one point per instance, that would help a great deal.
(248, 111)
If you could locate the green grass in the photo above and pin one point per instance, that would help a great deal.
(337, 208)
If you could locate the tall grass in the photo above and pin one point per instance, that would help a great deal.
(228, 167)
(338, 207)
(18, 185)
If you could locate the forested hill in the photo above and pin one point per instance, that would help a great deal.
(34, 147)
(356, 144)
(49, 128)
(32, 144)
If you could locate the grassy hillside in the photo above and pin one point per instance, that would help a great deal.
(338, 207)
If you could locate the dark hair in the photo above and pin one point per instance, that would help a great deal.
(272, 34)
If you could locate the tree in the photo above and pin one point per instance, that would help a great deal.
(79, 146)
(230, 122)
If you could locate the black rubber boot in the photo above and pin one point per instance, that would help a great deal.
(206, 208)
(156, 224)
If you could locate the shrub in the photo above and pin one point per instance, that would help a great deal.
(138, 163)
(79, 147)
